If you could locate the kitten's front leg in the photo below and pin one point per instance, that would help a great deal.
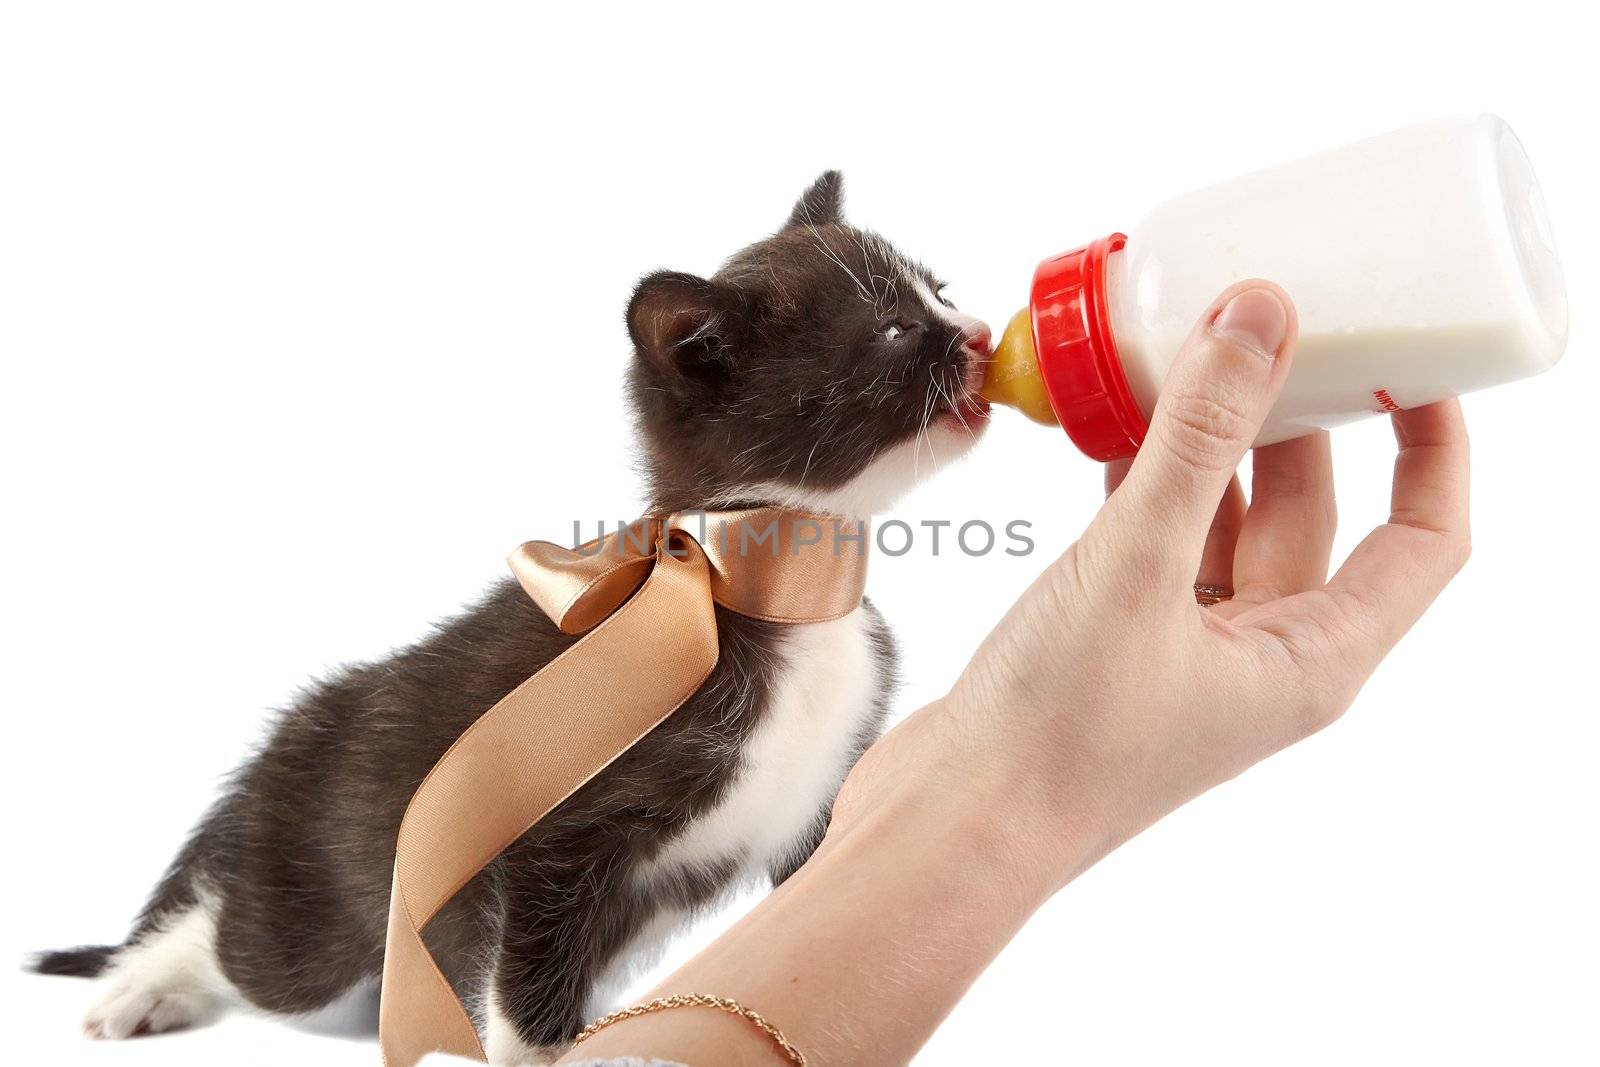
(564, 918)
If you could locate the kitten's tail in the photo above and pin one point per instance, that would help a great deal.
(87, 961)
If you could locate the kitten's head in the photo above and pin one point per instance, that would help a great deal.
(819, 368)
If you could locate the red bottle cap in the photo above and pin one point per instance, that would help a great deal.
(1078, 356)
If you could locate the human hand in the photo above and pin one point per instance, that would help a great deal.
(1107, 696)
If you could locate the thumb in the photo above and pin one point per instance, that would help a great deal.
(1223, 382)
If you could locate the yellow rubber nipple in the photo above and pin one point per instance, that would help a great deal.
(1012, 376)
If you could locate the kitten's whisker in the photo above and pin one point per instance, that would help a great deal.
(955, 408)
(922, 431)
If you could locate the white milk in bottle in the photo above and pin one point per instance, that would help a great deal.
(1420, 262)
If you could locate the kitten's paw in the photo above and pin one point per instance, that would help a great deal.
(125, 1012)
(168, 980)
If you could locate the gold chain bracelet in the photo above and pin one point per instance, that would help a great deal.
(698, 1000)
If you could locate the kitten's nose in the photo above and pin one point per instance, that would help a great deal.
(978, 338)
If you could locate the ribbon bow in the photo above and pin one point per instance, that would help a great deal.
(644, 599)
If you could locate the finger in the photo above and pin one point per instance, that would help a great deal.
(1218, 392)
(1398, 570)
(1216, 561)
(1222, 540)
(1287, 538)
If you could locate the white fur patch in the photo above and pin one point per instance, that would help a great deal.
(793, 762)
(795, 758)
(168, 980)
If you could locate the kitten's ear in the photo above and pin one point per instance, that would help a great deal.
(687, 324)
(821, 204)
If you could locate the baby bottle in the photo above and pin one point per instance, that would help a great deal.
(1420, 262)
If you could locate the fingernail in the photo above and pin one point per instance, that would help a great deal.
(1256, 319)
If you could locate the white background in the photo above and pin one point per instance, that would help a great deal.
(310, 312)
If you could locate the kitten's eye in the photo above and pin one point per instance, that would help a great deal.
(891, 331)
(938, 294)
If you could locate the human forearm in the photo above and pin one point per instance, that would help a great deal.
(860, 955)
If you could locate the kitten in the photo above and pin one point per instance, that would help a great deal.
(818, 369)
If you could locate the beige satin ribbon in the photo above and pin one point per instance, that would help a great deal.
(644, 599)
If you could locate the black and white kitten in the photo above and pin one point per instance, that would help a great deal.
(818, 369)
